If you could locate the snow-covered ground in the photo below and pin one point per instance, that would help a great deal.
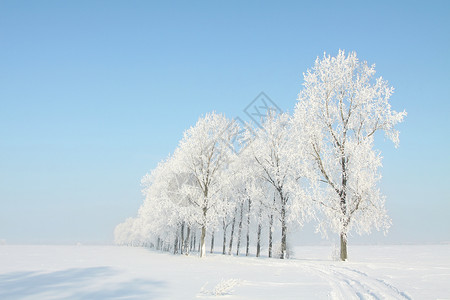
(109, 272)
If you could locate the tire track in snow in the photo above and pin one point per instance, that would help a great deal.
(339, 288)
(348, 283)
(403, 295)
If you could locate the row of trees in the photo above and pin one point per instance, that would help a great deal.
(317, 164)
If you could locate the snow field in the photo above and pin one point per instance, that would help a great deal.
(112, 272)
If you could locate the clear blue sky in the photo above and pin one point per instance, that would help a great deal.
(94, 93)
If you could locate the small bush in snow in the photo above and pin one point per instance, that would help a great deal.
(225, 287)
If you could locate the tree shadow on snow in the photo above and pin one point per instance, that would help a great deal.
(80, 283)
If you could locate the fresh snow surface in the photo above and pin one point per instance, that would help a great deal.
(111, 272)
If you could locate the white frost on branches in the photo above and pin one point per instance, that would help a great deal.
(340, 108)
(318, 163)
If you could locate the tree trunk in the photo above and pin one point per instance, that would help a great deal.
(202, 242)
(212, 242)
(187, 240)
(224, 236)
(343, 246)
(343, 196)
(182, 238)
(258, 244)
(202, 239)
(175, 244)
(240, 230)
(271, 227)
(283, 230)
(270, 235)
(248, 227)
(232, 232)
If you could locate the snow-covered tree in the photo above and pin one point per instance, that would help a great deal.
(271, 160)
(161, 212)
(204, 153)
(323, 154)
(123, 233)
(341, 107)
